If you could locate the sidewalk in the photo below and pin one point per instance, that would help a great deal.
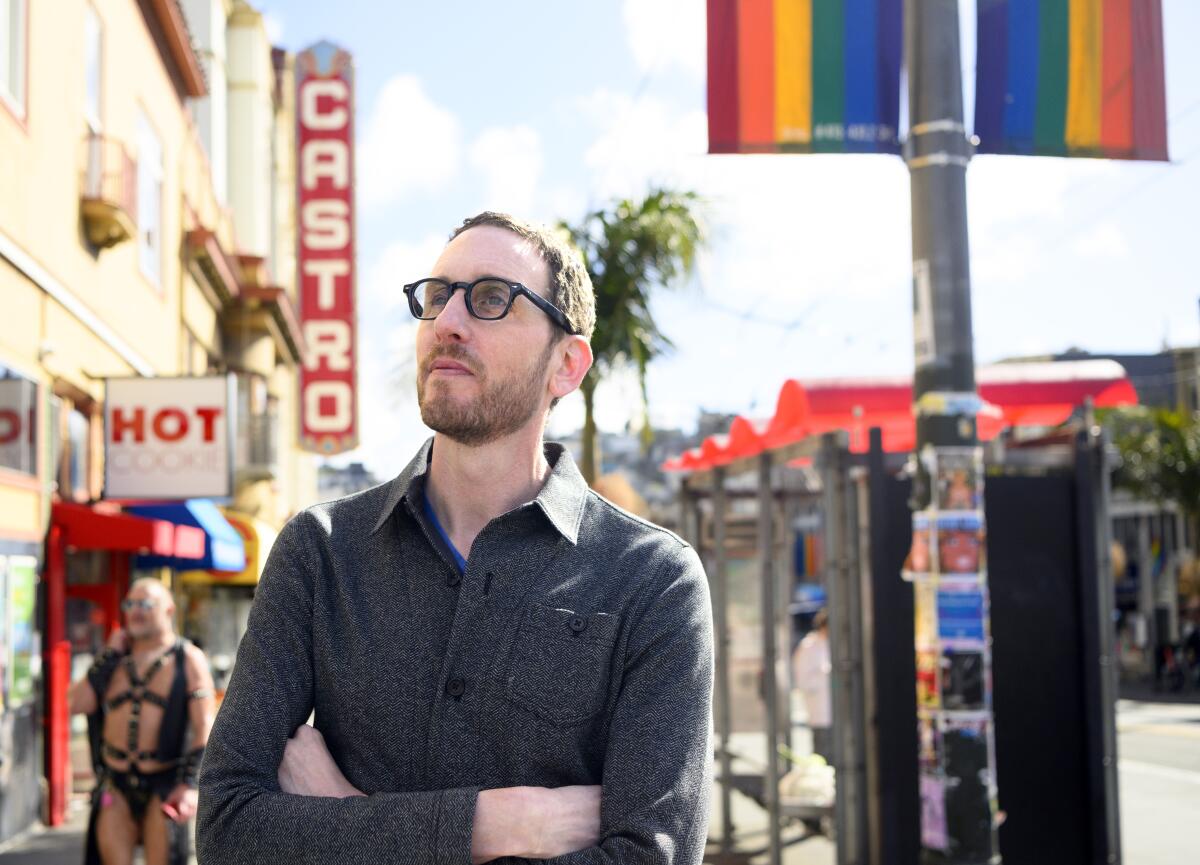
(750, 819)
(43, 846)
(59, 846)
(1145, 692)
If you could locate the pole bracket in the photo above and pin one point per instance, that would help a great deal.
(931, 126)
(937, 160)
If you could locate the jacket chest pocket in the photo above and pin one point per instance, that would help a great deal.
(561, 664)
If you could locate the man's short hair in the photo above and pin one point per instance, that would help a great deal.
(570, 285)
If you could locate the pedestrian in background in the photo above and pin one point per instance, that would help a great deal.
(811, 669)
(150, 704)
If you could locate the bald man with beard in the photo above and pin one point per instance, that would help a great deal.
(150, 705)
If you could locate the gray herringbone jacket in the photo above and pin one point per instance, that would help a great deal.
(575, 649)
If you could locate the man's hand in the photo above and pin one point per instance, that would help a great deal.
(118, 641)
(181, 804)
(308, 769)
(564, 820)
(535, 822)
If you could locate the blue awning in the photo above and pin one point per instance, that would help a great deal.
(224, 549)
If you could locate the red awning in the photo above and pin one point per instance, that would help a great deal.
(1014, 395)
(99, 528)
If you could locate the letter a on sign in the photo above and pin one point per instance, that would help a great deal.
(325, 248)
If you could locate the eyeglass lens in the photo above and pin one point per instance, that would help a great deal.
(138, 604)
(489, 298)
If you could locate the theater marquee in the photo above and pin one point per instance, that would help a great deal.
(325, 248)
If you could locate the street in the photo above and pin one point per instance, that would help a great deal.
(1159, 750)
(1159, 767)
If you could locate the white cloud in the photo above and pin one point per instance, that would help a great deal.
(1103, 241)
(639, 141)
(510, 159)
(409, 144)
(566, 202)
(664, 33)
(273, 24)
(388, 414)
(401, 262)
(787, 226)
(820, 240)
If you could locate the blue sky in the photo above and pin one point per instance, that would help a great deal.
(546, 109)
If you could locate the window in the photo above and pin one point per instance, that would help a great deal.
(12, 54)
(78, 441)
(18, 422)
(149, 203)
(92, 59)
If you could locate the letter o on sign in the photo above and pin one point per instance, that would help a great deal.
(178, 424)
(339, 418)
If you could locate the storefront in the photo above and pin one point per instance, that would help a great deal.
(21, 521)
(215, 604)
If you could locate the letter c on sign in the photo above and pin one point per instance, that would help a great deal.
(310, 113)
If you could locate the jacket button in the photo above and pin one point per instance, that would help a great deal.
(454, 579)
(456, 687)
(578, 624)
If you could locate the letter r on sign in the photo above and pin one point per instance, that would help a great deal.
(329, 344)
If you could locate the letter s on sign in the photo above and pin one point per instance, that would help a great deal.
(326, 224)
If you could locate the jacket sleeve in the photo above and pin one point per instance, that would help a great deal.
(244, 817)
(656, 785)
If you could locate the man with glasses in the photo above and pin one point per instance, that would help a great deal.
(501, 664)
(150, 704)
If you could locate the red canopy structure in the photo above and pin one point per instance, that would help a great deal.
(87, 527)
(1013, 394)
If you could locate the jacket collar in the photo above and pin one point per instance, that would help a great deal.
(561, 499)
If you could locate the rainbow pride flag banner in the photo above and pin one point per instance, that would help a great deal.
(804, 76)
(1071, 78)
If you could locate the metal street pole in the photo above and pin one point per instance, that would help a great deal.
(770, 624)
(957, 754)
(724, 713)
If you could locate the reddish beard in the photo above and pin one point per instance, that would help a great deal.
(500, 409)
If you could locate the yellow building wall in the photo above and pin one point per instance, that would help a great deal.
(40, 181)
(169, 326)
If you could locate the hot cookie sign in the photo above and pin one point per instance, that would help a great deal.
(325, 248)
(169, 438)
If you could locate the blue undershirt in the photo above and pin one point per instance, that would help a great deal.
(459, 561)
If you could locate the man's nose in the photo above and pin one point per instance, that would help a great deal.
(453, 322)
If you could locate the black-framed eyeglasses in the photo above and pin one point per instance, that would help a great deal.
(489, 298)
(143, 604)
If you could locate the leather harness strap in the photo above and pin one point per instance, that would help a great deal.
(137, 694)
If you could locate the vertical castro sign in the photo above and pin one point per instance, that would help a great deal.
(325, 253)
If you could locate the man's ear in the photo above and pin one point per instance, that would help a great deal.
(574, 359)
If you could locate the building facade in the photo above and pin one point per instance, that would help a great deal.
(146, 231)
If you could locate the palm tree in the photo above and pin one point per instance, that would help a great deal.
(1160, 455)
(630, 249)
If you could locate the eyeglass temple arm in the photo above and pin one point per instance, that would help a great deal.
(550, 309)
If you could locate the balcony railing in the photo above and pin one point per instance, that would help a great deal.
(108, 192)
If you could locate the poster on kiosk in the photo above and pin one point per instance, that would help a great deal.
(169, 438)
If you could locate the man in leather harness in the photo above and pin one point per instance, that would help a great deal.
(150, 705)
